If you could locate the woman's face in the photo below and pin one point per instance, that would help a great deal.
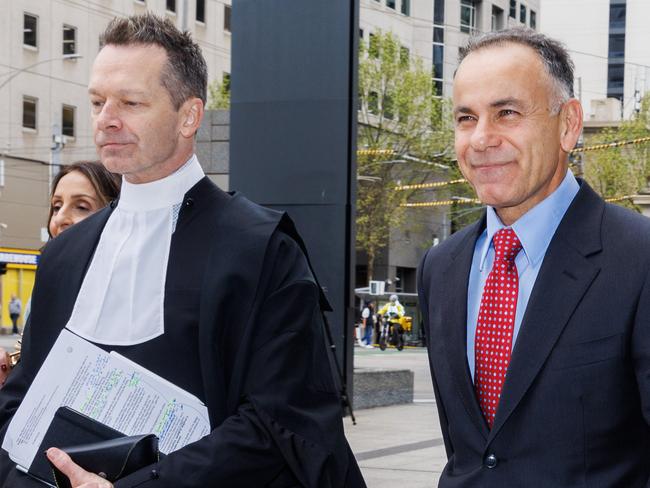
(73, 200)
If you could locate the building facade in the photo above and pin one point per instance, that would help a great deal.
(607, 40)
(46, 52)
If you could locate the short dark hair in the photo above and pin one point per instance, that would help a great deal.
(186, 75)
(106, 184)
(553, 54)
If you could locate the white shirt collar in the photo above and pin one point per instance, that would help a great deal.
(162, 193)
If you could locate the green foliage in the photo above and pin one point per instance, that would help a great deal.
(624, 170)
(219, 94)
(398, 111)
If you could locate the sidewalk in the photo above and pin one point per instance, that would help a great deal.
(399, 444)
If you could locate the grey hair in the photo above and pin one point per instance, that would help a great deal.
(552, 53)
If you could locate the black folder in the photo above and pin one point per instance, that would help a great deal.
(93, 446)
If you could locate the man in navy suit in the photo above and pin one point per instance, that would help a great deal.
(539, 313)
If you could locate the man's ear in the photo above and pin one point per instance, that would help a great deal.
(570, 124)
(192, 111)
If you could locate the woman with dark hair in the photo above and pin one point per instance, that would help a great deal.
(78, 191)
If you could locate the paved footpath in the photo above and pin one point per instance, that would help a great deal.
(399, 445)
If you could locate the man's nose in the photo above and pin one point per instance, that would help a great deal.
(108, 118)
(484, 135)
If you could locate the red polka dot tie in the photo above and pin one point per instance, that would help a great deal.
(496, 320)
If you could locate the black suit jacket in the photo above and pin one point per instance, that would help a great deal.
(575, 407)
(265, 371)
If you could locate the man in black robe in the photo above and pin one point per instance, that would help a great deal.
(204, 288)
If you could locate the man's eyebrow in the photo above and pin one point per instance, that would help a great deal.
(122, 93)
(506, 101)
(463, 110)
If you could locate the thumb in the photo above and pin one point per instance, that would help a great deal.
(74, 472)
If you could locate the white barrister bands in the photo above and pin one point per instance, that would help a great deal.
(122, 296)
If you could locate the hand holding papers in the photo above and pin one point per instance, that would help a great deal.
(108, 388)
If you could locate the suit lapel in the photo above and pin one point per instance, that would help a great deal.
(564, 278)
(454, 322)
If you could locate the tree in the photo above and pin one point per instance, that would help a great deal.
(219, 94)
(624, 170)
(403, 133)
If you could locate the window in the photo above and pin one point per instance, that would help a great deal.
(513, 9)
(467, 16)
(437, 88)
(533, 20)
(29, 112)
(497, 18)
(69, 39)
(439, 12)
(227, 12)
(30, 30)
(390, 4)
(373, 102)
(171, 5)
(360, 33)
(388, 106)
(617, 16)
(200, 11)
(406, 7)
(67, 121)
(615, 80)
(522, 13)
(438, 34)
(616, 45)
(438, 59)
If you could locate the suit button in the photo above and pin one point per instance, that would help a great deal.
(189, 202)
(491, 461)
(154, 474)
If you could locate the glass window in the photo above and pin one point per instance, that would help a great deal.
(615, 77)
(617, 16)
(467, 16)
(30, 30)
(29, 112)
(497, 18)
(227, 13)
(69, 40)
(533, 19)
(373, 102)
(67, 121)
(360, 33)
(437, 88)
(438, 60)
(200, 10)
(390, 4)
(438, 34)
(171, 5)
(406, 7)
(522, 14)
(439, 12)
(388, 107)
(513, 9)
(616, 45)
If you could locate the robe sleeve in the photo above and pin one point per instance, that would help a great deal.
(287, 429)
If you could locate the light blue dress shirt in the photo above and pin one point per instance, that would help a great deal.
(535, 229)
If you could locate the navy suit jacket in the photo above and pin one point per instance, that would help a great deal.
(575, 406)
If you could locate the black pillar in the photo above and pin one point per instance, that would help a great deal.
(293, 132)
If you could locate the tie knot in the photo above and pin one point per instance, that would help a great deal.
(506, 245)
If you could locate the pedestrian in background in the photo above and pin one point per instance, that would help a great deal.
(15, 307)
(368, 320)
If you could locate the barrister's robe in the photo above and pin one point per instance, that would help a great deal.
(264, 371)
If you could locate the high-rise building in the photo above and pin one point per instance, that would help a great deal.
(607, 40)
